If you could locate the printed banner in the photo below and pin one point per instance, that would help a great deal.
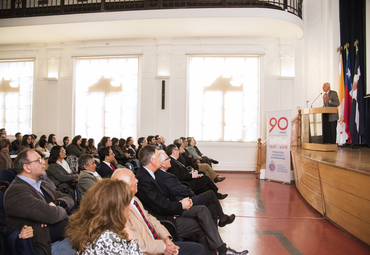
(278, 146)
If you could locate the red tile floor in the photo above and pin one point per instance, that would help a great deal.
(273, 218)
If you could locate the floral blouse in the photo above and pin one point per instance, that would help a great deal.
(110, 244)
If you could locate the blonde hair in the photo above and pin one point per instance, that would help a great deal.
(102, 208)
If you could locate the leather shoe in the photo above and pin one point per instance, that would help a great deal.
(221, 196)
(234, 252)
(219, 179)
(230, 219)
(213, 161)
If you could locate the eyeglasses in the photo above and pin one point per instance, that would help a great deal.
(167, 159)
(62, 151)
(40, 160)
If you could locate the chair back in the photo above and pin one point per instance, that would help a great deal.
(12, 244)
(7, 175)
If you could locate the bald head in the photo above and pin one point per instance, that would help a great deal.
(128, 177)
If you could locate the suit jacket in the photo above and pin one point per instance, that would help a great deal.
(104, 170)
(177, 188)
(157, 197)
(26, 206)
(198, 185)
(60, 177)
(141, 232)
(85, 181)
(334, 102)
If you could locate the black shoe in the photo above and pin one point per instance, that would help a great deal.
(221, 196)
(213, 161)
(230, 219)
(219, 179)
(234, 252)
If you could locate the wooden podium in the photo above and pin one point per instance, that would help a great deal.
(313, 136)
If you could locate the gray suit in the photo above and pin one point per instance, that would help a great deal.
(85, 181)
(334, 102)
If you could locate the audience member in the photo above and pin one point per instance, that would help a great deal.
(2, 130)
(131, 148)
(33, 139)
(99, 225)
(43, 137)
(26, 143)
(144, 226)
(92, 147)
(85, 146)
(160, 202)
(16, 143)
(197, 183)
(32, 202)
(105, 142)
(181, 191)
(65, 142)
(151, 140)
(74, 149)
(2, 135)
(5, 160)
(52, 141)
(88, 176)
(141, 142)
(106, 166)
(201, 154)
(43, 146)
(60, 173)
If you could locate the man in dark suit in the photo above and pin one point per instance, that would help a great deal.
(197, 183)
(181, 191)
(161, 203)
(106, 166)
(330, 99)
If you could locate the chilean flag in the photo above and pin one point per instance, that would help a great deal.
(348, 97)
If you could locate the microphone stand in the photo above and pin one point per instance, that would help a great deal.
(316, 99)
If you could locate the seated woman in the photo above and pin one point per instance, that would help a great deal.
(65, 142)
(5, 160)
(43, 146)
(85, 146)
(52, 141)
(74, 150)
(92, 147)
(60, 173)
(43, 137)
(121, 155)
(99, 225)
(26, 143)
(131, 148)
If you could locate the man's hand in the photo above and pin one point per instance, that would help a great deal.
(196, 175)
(52, 204)
(171, 248)
(26, 232)
(187, 203)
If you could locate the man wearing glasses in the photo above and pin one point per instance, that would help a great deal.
(33, 202)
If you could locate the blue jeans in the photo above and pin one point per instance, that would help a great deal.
(63, 247)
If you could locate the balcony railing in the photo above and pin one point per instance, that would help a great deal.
(31, 8)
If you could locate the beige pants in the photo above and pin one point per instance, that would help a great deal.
(207, 170)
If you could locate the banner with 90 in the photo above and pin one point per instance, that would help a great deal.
(278, 146)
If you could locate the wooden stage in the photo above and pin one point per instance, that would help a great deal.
(336, 184)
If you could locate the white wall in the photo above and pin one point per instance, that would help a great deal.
(304, 63)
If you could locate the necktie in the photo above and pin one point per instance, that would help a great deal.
(111, 165)
(146, 221)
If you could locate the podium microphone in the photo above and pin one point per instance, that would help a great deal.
(316, 99)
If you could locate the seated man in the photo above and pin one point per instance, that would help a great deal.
(151, 140)
(187, 159)
(16, 143)
(32, 202)
(197, 183)
(88, 176)
(161, 203)
(181, 191)
(139, 219)
(106, 166)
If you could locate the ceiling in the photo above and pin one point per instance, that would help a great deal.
(247, 22)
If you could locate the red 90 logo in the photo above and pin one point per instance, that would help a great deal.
(274, 122)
